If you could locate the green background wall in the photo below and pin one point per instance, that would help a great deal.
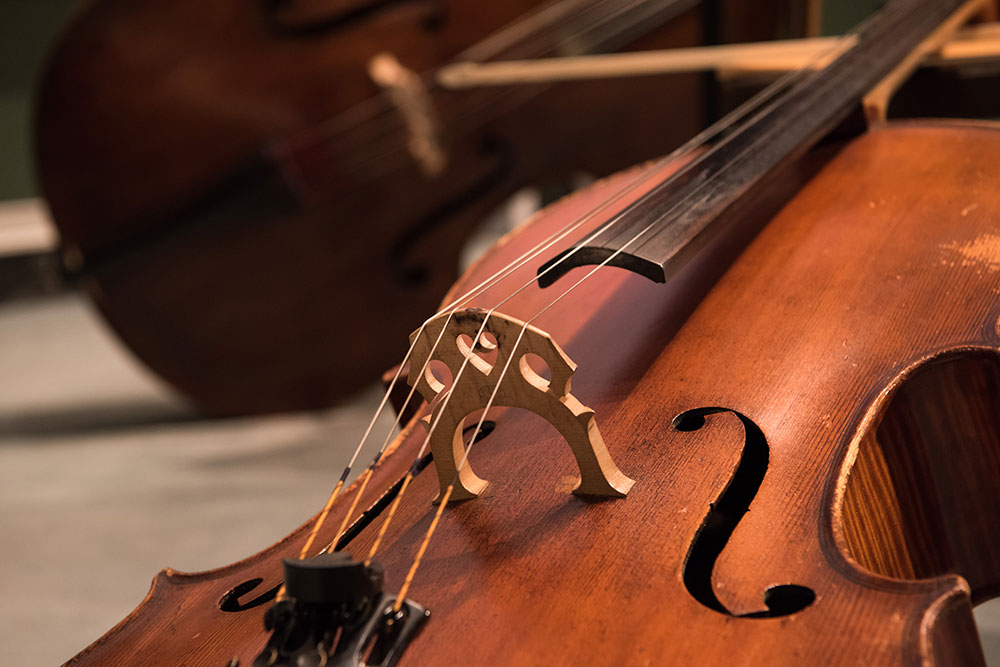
(26, 29)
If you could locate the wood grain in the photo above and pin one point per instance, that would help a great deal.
(921, 498)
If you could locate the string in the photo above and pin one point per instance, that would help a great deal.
(652, 173)
(511, 355)
(700, 139)
(454, 306)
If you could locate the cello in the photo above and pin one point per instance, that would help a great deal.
(231, 182)
(734, 406)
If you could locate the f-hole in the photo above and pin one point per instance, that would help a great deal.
(230, 601)
(721, 521)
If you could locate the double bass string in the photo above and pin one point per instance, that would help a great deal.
(454, 306)
(641, 177)
(702, 138)
(443, 501)
(699, 140)
(743, 111)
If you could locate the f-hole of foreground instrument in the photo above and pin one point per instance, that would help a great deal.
(921, 500)
(231, 600)
(723, 516)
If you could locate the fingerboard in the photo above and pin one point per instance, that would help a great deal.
(660, 232)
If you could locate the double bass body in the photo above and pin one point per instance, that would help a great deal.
(813, 436)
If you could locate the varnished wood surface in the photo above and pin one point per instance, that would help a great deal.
(921, 499)
(886, 260)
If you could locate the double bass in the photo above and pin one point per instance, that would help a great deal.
(735, 406)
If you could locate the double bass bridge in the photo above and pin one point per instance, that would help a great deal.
(493, 360)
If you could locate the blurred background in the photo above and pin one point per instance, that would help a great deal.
(107, 474)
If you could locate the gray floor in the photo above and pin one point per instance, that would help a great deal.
(105, 478)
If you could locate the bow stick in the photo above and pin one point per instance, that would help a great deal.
(973, 44)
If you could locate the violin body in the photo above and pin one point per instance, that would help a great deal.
(834, 368)
(150, 108)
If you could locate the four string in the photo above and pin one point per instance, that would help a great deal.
(744, 110)
(636, 181)
(643, 176)
(453, 307)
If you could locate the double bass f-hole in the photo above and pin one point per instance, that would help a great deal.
(295, 18)
(721, 521)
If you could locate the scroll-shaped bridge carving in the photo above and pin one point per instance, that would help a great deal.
(497, 359)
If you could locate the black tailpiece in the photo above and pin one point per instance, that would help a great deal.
(336, 614)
